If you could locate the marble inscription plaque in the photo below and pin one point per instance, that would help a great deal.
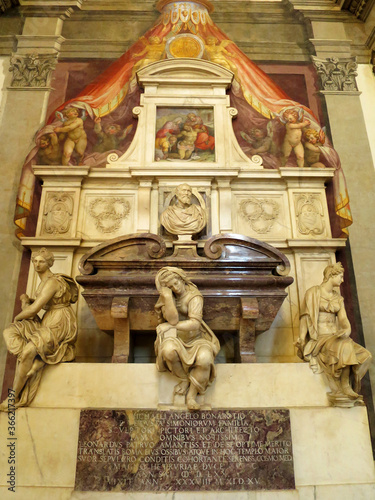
(141, 450)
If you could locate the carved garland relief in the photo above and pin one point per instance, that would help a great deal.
(260, 213)
(108, 213)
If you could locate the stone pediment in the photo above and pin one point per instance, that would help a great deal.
(173, 88)
(185, 71)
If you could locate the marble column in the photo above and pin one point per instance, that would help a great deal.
(350, 140)
(25, 101)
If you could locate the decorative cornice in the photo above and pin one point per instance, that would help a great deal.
(50, 8)
(337, 74)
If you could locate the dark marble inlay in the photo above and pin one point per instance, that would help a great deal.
(142, 450)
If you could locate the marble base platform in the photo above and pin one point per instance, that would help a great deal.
(331, 446)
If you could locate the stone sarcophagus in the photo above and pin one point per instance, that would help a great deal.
(242, 280)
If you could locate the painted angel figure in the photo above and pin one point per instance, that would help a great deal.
(153, 51)
(217, 53)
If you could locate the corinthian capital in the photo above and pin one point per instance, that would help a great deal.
(337, 74)
(32, 70)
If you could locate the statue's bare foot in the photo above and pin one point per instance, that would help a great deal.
(6, 406)
(181, 388)
(348, 391)
(359, 401)
(37, 365)
(193, 405)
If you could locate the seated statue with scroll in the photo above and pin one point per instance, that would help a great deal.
(325, 342)
(184, 217)
(185, 345)
(37, 342)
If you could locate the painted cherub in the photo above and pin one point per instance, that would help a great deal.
(259, 140)
(312, 150)
(74, 135)
(294, 123)
(153, 51)
(219, 54)
(109, 136)
(49, 152)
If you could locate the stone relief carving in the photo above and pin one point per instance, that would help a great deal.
(38, 342)
(337, 74)
(310, 214)
(32, 70)
(58, 213)
(184, 218)
(324, 340)
(261, 213)
(108, 213)
(185, 345)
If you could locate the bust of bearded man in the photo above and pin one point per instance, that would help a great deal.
(184, 217)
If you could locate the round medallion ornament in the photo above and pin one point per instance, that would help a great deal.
(185, 45)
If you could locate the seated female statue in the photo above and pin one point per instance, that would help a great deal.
(325, 342)
(50, 340)
(185, 345)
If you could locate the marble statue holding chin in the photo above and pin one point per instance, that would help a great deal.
(185, 345)
(184, 217)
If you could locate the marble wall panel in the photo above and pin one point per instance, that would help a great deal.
(309, 214)
(261, 215)
(45, 455)
(93, 345)
(316, 434)
(309, 269)
(105, 214)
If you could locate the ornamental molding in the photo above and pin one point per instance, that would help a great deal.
(309, 214)
(337, 74)
(57, 214)
(33, 71)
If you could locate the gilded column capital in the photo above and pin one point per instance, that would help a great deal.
(337, 74)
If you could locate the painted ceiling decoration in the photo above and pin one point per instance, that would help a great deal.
(184, 29)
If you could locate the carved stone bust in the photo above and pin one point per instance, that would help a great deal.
(183, 217)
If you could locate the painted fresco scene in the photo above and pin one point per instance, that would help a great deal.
(98, 121)
(185, 134)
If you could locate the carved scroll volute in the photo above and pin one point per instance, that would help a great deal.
(218, 247)
(145, 245)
